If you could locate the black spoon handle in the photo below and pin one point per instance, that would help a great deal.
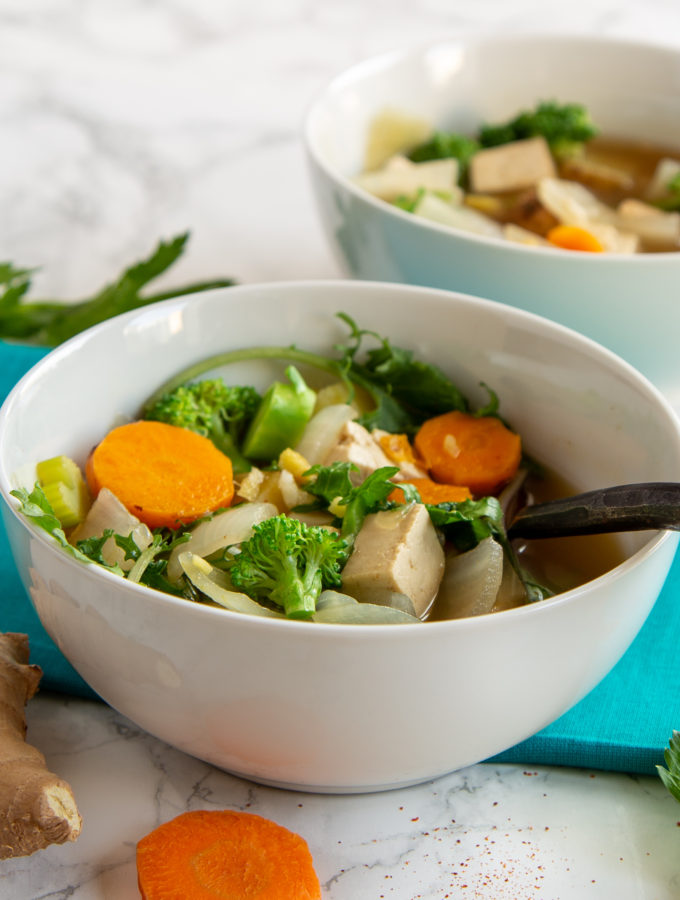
(627, 507)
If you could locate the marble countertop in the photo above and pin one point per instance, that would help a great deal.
(124, 122)
(497, 832)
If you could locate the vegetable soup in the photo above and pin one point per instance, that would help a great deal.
(545, 178)
(376, 495)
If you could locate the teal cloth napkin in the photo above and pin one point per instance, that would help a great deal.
(16, 611)
(623, 724)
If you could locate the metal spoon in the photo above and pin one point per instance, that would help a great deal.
(626, 507)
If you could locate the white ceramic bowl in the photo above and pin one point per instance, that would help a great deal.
(629, 303)
(344, 708)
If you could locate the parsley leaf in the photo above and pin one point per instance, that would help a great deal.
(406, 391)
(468, 522)
(36, 507)
(48, 323)
(334, 483)
(671, 775)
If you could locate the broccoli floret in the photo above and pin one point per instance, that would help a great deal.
(289, 563)
(447, 145)
(566, 127)
(214, 409)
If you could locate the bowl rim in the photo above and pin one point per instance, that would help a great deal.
(91, 570)
(383, 61)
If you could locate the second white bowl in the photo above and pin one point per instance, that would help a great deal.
(629, 303)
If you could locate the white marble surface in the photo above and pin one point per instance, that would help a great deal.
(125, 121)
(490, 831)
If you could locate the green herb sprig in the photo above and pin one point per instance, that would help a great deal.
(50, 322)
(671, 775)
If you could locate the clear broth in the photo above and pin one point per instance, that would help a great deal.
(565, 563)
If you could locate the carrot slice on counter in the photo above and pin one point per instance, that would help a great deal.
(433, 492)
(163, 474)
(479, 452)
(208, 854)
(571, 237)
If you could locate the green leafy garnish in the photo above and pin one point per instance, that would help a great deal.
(671, 775)
(151, 562)
(468, 522)
(409, 203)
(93, 549)
(565, 127)
(35, 506)
(447, 145)
(148, 567)
(333, 484)
(48, 323)
(390, 373)
(405, 391)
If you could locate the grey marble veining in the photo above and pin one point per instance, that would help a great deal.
(489, 831)
(123, 122)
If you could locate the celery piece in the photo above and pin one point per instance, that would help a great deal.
(281, 417)
(65, 489)
(59, 468)
(70, 504)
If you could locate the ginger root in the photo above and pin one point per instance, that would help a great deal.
(36, 807)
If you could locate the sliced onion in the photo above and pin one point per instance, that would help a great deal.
(509, 497)
(108, 512)
(335, 608)
(229, 527)
(215, 584)
(512, 591)
(658, 230)
(471, 581)
(400, 177)
(432, 207)
(323, 430)
(519, 235)
(572, 203)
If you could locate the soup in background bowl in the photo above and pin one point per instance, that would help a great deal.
(625, 301)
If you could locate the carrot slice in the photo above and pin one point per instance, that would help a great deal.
(397, 447)
(571, 237)
(208, 854)
(433, 492)
(162, 474)
(479, 452)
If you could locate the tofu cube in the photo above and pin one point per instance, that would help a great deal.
(355, 445)
(511, 167)
(397, 550)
